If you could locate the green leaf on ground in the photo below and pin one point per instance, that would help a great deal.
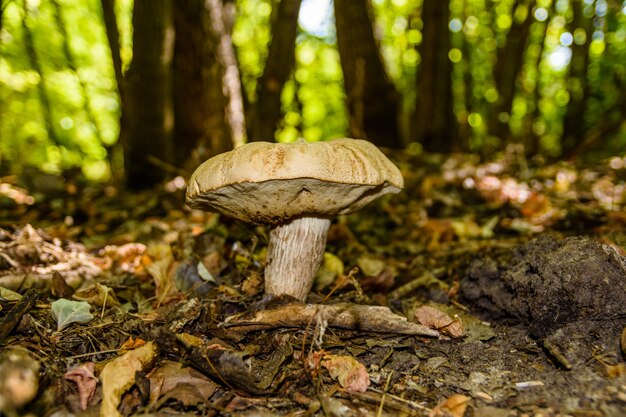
(66, 312)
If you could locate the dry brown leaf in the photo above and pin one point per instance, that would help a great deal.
(98, 295)
(127, 258)
(615, 371)
(85, 380)
(253, 284)
(350, 373)
(174, 377)
(132, 343)
(454, 406)
(162, 270)
(438, 320)
(119, 375)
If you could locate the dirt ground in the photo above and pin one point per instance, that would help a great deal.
(527, 267)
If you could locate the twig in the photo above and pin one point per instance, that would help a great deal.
(11, 320)
(556, 353)
(83, 355)
(382, 398)
(423, 280)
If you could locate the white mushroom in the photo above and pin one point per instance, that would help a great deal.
(295, 188)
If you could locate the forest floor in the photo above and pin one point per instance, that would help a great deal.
(112, 301)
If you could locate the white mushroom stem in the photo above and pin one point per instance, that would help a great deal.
(294, 253)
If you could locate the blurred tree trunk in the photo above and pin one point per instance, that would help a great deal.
(435, 125)
(148, 145)
(2, 7)
(231, 81)
(201, 129)
(574, 126)
(182, 84)
(278, 67)
(113, 36)
(509, 62)
(373, 101)
(532, 140)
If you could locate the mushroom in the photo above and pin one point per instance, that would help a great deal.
(295, 188)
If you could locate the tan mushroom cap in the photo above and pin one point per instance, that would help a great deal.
(270, 183)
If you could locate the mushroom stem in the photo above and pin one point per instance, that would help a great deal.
(294, 253)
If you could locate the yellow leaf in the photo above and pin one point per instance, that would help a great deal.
(119, 375)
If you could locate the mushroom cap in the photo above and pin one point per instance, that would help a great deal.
(271, 183)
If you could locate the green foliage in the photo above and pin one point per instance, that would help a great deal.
(314, 101)
(72, 140)
(66, 312)
(251, 37)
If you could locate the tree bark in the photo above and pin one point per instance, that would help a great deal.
(509, 61)
(574, 126)
(151, 115)
(278, 67)
(434, 123)
(113, 37)
(373, 101)
(116, 153)
(231, 81)
(532, 140)
(201, 129)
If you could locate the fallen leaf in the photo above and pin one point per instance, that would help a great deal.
(370, 265)
(204, 273)
(253, 284)
(98, 295)
(66, 312)
(331, 268)
(189, 384)
(162, 270)
(85, 380)
(454, 406)
(438, 320)
(132, 343)
(350, 373)
(119, 375)
(615, 371)
(9, 295)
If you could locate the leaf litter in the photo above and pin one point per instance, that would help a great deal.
(180, 325)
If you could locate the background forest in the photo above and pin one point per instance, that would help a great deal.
(145, 90)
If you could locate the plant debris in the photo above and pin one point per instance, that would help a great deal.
(475, 292)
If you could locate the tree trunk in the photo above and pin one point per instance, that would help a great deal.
(201, 129)
(278, 67)
(231, 81)
(373, 101)
(574, 126)
(2, 7)
(148, 147)
(532, 140)
(435, 125)
(510, 58)
(116, 154)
